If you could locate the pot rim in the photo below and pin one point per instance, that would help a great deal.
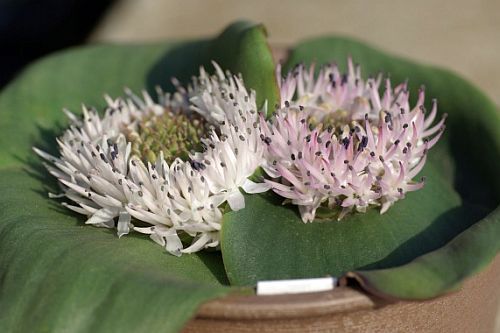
(286, 306)
(342, 299)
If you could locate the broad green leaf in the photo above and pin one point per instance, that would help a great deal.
(461, 188)
(442, 270)
(276, 244)
(57, 274)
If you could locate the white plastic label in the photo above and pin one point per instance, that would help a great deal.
(297, 286)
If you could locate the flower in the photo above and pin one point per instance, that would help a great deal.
(94, 158)
(335, 142)
(220, 97)
(115, 168)
(173, 199)
(231, 158)
(234, 150)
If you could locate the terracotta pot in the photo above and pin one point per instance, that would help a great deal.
(472, 309)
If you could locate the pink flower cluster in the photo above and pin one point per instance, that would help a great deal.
(336, 142)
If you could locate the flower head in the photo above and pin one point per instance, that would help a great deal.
(115, 168)
(335, 142)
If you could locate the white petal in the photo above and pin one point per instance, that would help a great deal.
(157, 239)
(75, 208)
(252, 187)
(198, 245)
(385, 206)
(123, 223)
(101, 216)
(45, 155)
(145, 230)
(174, 244)
(236, 200)
(56, 195)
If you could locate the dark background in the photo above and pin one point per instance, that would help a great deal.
(30, 29)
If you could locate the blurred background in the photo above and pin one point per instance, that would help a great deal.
(30, 29)
(460, 35)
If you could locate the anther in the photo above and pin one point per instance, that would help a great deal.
(345, 142)
(364, 142)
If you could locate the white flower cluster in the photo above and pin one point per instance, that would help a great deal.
(105, 182)
(333, 142)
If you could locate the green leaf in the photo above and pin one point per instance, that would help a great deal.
(276, 244)
(252, 57)
(442, 270)
(461, 188)
(57, 274)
